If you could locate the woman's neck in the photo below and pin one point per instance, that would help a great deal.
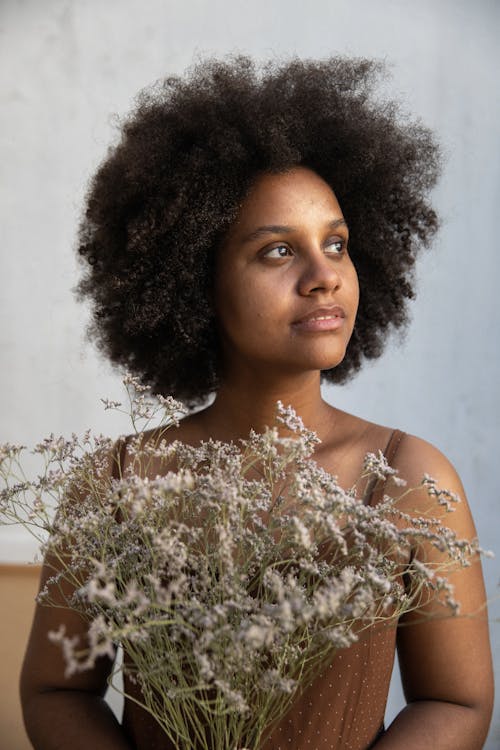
(242, 406)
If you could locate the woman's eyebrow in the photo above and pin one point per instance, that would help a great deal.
(283, 229)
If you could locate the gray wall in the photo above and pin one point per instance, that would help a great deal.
(66, 69)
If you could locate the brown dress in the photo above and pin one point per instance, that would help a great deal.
(342, 709)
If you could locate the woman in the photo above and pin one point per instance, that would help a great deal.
(216, 256)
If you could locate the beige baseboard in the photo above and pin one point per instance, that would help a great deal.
(18, 588)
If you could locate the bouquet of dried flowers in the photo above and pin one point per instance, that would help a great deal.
(228, 573)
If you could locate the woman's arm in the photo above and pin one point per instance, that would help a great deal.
(445, 661)
(66, 712)
(59, 712)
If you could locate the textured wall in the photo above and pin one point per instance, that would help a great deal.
(68, 67)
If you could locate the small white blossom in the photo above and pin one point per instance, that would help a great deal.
(302, 535)
(376, 464)
(273, 680)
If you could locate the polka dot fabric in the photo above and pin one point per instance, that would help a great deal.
(343, 708)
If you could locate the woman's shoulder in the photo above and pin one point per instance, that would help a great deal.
(434, 483)
(416, 458)
(411, 456)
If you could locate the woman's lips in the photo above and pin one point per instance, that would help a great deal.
(321, 319)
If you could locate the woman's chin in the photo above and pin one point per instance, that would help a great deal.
(327, 362)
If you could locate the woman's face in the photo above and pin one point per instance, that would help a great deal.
(286, 290)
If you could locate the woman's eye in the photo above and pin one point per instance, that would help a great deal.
(336, 247)
(333, 247)
(280, 251)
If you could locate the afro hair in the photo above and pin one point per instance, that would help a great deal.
(166, 194)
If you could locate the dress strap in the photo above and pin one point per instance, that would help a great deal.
(393, 445)
(375, 489)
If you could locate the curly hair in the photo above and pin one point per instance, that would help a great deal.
(162, 200)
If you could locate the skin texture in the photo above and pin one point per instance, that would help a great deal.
(261, 289)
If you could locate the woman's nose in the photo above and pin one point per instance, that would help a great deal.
(319, 274)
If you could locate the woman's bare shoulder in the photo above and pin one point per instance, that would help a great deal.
(411, 456)
(417, 457)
